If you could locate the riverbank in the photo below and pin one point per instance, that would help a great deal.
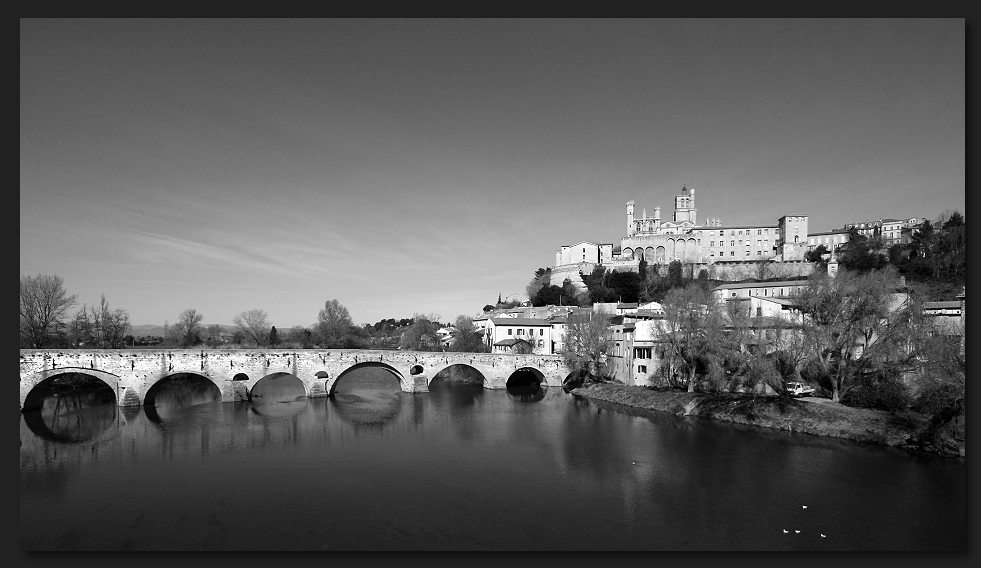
(809, 415)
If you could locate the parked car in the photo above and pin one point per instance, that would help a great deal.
(799, 389)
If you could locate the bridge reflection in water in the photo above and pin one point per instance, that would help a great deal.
(461, 468)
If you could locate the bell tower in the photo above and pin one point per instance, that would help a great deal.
(684, 205)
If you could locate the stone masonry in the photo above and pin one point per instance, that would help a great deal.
(131, 373)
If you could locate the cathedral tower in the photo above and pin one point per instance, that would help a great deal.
(684, 205)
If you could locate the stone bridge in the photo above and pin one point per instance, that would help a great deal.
(131, 373)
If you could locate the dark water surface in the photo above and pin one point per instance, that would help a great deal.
(459, 468)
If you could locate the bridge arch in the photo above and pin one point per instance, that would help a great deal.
(32, 397)
(285, 382)
(191, 387)
(446, 369)
(331, 385)
(526, 376)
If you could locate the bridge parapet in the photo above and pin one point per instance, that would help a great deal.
(132, 372)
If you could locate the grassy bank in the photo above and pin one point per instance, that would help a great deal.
(810, 415)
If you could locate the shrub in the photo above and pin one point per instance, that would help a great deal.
(882, 389)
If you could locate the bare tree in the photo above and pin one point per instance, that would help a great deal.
(115, 326)
(586, 342)
(762, 269)
(108, 327)
(98, 321)
(852, 322)
(187, 330)
(692, 330)
(255, 325)
(43, 304)
(79, 328)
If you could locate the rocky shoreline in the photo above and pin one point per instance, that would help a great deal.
(809, 415)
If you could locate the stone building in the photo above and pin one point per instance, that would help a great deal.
(734, 249)
(890, 231)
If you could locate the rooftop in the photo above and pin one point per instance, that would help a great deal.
(521, 321)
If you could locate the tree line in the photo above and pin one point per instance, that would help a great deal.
(47, 320)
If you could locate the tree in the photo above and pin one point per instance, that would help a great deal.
(466, 337)
(861, 254)
(816, 257)
(273, 336)
(652, 287)
(79, 328)
(300, 336)
(675, 277)
(624, 286)
(334, 324)
(551, 295)
(543, 277)
(852, 322)
(943, 372)
(43, 303)
(254, 324)
(212, 335)
(587, 342)
(187, 330)
(421, 335)
(108, 327)
(692, 329)
(115, 325)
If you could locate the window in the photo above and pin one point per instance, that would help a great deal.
(509, 331)
(722, 233)
(747, 253)
(732, 253)
(641, 368)
(759, 231)
(541, 332)
(732, 243)
(759, 253)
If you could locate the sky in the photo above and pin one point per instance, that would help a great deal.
(424, 166)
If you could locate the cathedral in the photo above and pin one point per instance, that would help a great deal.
(682, 238)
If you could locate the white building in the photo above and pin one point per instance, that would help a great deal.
(502, 333)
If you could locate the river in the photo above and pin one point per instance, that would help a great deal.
(458, 468)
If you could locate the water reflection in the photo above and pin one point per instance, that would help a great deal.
(526, 393)
(279, 395)
(74, 408)
(466, 468)
(367, 396)
(181, 398)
